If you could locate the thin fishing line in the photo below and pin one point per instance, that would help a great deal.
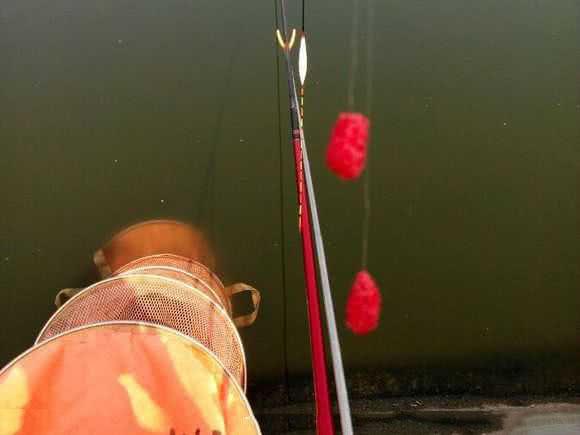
(370, 51)
(368, 108)
(282, 219)
(303, 14)
(353, 56)
(206, 199)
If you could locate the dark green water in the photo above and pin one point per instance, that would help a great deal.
(119, 111)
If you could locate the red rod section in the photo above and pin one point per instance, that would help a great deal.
(324, 424)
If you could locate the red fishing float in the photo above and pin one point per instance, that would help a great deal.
(363, 307)
(347, 149)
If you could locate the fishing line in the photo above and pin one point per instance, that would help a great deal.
(206, 199)
(352, 75)
(369, 107)
(303, 14)
(346, 156)
(282, 219)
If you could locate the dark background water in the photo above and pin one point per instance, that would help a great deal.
(119, 111)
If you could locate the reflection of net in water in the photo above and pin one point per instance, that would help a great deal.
(158, 300)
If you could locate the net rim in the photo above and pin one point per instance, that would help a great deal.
(95, 287)
(169, 255)
(193, 341)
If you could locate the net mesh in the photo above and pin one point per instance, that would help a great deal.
(159, 300)
(193, 268)
(179, 275)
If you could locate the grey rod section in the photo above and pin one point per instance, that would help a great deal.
(335, 352)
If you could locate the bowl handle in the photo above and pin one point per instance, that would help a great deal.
(245, 319)
(64, 295)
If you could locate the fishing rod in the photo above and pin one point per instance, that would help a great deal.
(308, 217)
(324, 423)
